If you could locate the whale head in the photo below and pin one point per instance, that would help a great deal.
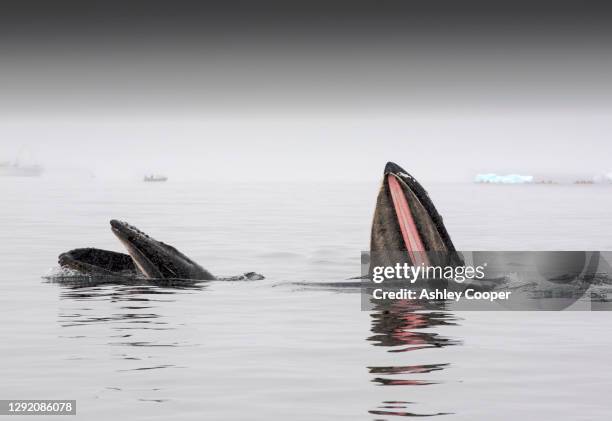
(155, 259)
(406, 221)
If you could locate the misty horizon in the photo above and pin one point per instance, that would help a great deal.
(443, 148)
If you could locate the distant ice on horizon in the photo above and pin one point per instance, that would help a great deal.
(603, 178)
(503, 179)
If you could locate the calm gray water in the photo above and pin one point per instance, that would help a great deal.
(276, 349)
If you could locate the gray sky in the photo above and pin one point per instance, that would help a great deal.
(308, 94)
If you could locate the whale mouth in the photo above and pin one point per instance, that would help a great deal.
(144, 250)
(146, 257)
(156, 259)
(409, 230)
(406, 220)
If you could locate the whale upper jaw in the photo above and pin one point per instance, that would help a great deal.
(155, 259)
(406, 220)
(98, 262)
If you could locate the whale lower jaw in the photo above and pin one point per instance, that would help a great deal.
(156, 259)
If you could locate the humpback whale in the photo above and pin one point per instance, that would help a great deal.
(146, 257)
(406, 228)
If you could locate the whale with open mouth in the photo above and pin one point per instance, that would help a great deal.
(406, 223)
(146, 257)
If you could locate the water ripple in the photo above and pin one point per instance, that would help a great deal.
(399, 327)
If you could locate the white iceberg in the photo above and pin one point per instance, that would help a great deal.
(604, 178)
(503, 179)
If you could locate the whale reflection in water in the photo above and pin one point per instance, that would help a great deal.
(398, 326)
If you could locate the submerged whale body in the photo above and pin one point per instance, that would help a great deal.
(406, 228)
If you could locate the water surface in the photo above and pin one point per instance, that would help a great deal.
(282, 348)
